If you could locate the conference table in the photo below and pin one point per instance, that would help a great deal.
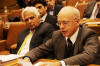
(15, 62)
(92, 23)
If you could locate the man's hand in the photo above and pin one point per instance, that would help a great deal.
(24, 62)
(26, 59)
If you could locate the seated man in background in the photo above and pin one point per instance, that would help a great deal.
(93, 10)
(41, 5)
(52, 7)
(36, 33)
(73, 44)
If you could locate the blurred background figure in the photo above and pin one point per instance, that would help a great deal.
(93, 10)
(53, 8)
(64, 2)
(41, 6)
(24, 3)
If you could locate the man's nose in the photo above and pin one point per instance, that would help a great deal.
(61, 26)
(29, 20)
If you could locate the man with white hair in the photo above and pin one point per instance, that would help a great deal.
(73, 44)
(36, 33)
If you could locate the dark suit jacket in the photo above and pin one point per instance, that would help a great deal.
(52, 20)
(42, 33)
(56, 10)
(86, 46)
(88, 11)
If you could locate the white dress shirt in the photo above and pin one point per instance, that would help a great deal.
(25, 49)
(94, 12)
(73, 39)
(43, 18)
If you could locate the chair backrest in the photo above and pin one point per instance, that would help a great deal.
(15, 13)
(81, 7)
(14, 29)
(1, 30)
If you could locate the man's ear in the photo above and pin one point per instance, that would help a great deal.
(77, 20)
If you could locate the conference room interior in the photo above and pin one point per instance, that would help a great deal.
(11, 22)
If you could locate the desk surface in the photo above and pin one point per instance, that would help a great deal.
(89, 20)
(15, 62)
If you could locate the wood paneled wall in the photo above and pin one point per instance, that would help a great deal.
(11, 5)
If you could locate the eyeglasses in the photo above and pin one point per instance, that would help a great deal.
(64, 23)
(27, 19)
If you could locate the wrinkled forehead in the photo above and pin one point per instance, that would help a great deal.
(68, 14)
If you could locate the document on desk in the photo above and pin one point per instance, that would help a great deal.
(93, 23)
(38, 64)
(9, 57)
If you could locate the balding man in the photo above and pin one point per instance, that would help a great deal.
(36, 33)
(73, 44)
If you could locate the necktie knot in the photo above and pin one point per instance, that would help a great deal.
(69, 43)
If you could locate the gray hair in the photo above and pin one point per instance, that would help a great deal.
(32, 9)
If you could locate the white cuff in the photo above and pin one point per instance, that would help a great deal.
(62, 63)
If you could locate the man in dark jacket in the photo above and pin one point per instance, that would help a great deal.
(73, 44)
(36, 33)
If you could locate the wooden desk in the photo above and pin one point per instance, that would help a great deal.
(11, 63)
(89, 20)
(15, 62)
(95, 26)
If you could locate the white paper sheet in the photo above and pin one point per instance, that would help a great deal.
(38, 64)
(5, 58)
(93, 23)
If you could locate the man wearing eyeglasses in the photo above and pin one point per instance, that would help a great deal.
(36, 33)
(73, 44)
(41, 5)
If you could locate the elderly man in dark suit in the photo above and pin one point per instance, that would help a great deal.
(93, 10)
(36, 33)
(73, 44)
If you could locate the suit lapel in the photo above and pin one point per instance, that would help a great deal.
(89, 9)
(61, 43)
(24, 35)
(98, 15)
(35, 36)
(78, 40)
